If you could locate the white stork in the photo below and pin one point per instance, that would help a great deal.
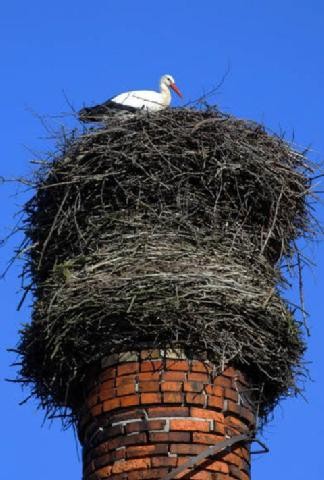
(132, 101)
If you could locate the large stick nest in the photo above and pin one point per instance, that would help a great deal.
(164, 229)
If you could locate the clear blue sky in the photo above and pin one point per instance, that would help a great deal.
(94, 49)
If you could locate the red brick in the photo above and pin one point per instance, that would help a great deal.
(202, 475)
(231, 394)
(243, 452)
(94, 477)
(146, 450)
(106, 393)
(149, 376)
(125, 440)
(208, 414)
(120, 476)
(100, 450)
(145, 474)
(245, 476)
(90, 468)
(219, 428)
(134, 414)
(129, 465)
(174, 376)
(247, 415)
(127, 368)
(92, 400)
(232, 428)
(85, 418)
(186, 448)
(164, 462)
(118, 454)
(235, 422)
(245, 466)
(126, 389)
(104, 438)
(232, 458)
(156, 424)
(196, 398)
(96, 410)
(182, 365)
(198, 377)
(206, 438)
(147, 398)
(215, 390)
(125, 379)
(139, 426)
(94, 389)
(107, 374)
(145, 425)
(149, 386)
(171, 386)
(235, 471)
(216, 402)
(181, 460)
(152, 366)
(223, 381)
(170, 437)
(243, 379)
(129, 400)
(150, 354)
(107, 383)
(104, 471)
(230, 372)
(197, 366)
(219, 476)
(189, 425)
(168, 412)
(193, 387)
(135, 439)
(104, 460)
(173, 397)
(217, 466)
(184, 474)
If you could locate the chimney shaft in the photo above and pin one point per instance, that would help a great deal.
(147, 413)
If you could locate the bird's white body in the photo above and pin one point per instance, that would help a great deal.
(148, 100)
(144, 99)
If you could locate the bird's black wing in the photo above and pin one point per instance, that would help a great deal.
(98, 113)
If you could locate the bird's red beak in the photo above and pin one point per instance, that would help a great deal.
(176, 89)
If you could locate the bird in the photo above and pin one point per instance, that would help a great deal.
(147, 100)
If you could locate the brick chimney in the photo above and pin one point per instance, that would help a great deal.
(147, 413)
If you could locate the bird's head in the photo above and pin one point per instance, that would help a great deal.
(169, 82)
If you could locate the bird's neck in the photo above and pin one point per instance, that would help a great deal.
(166, 94)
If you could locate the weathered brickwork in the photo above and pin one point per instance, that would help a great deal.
(147, 414)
